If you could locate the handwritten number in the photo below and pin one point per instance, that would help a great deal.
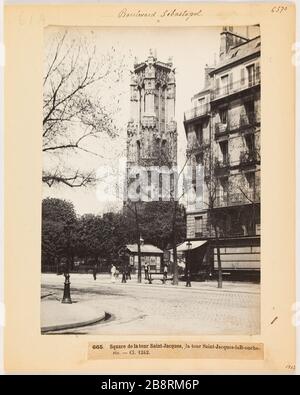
(279, 9)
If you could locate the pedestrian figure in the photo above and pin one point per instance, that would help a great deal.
(165, 272)
(146, 267)
(124, 275)
(128, 272)
(113, 273)
(95, 271)
(188, 279)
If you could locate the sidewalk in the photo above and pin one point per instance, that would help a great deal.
(197, 286)
(56, 315)
(87, 280)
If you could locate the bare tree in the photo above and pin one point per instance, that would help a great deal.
(167, 160)
(76, 80)
(212, 182)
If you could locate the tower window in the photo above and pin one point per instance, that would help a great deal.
(199, 159)
(164, 149)
(138, 147)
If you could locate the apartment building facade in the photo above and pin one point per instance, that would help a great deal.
(223, 136)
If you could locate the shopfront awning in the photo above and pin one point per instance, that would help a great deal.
(194, 244)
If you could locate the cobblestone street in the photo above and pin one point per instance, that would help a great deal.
(162, 309)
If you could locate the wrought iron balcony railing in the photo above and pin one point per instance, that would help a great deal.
(237, 199)
(249, 157)
(234, 227)
(243, 122)
(234, 87)
(248, 119)
(222, 167)
(221, 129)
(197, 147)
(196, 112)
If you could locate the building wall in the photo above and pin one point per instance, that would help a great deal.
(230, 119)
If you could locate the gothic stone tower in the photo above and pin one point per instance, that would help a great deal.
(152, 131)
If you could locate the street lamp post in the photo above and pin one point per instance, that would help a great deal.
(188, 268)
(140, 243)
(67, 292)
(124, 268)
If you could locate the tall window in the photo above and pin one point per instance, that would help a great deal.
(250, 177)
(224, 186)
(149, 183)
(194, 174)
(198, 226)
(223, 115)
(251, 75)
(172, 186)
(164, 150)
(160, 186)
(224, 84)
(249, 107)
(199, 133)
(250, 142)
(138, 189)
(224, 151)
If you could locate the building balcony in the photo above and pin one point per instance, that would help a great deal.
(149, 121)
(197, 148)
(237, 199)
(197, 112)
(236, 225)
(245, 123)
(233, 88)
(221, 129)
(222, 167)
(248, 120)
(249, 158)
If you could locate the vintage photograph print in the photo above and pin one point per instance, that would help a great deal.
(151, 181)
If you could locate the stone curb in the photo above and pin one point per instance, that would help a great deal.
(193, 289)
(73, 325)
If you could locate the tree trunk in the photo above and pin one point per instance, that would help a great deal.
(175, 267)
(139, 277)
(220, 277)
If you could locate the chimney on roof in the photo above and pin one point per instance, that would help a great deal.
(207, 70)
(229, 39)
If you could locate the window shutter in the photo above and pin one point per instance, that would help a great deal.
(230, 81)
(257, 72)
(242, 76)
(217, 86)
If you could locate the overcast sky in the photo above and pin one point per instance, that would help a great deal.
(190, 48)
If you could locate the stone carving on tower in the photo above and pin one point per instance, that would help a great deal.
(152, 131)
